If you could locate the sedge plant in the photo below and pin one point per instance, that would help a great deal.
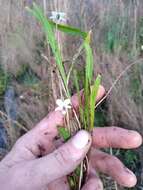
(86, 115)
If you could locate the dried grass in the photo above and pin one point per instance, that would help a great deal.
(20, 39)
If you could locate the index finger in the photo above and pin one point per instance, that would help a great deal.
(115, 137)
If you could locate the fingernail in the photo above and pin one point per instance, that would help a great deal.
(128, 171)
(81, 139)
(137, 139)
(131, 182)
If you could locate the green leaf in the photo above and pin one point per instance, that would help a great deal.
(88, 37)
(63, 28)
(48, 27)
(51, 40)
(68, 29)
(64, 133)
(87, 104)
(93, 96)
(88, 79)
(89, 58)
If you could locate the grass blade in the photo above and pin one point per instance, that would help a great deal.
(93, 95)
(51, 40)
(89, 58)
(69, 30)
(64, 133)
(88, 79)
(87, 104)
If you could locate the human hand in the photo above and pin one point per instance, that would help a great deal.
(33, 165)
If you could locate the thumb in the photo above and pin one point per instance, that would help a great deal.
(63, 160)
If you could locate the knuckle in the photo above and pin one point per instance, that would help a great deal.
(18, 144)
(112, 161)
(62, 156)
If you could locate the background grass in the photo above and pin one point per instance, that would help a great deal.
(117, 32)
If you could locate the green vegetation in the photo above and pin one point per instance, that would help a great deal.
(117, 40)
(91, 86)
(26, 76)
(64, 133)
(4, 78)
(90, 92)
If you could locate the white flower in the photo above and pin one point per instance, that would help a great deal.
(63, 105)
(21, 97)
(58, 17)
(141, 47)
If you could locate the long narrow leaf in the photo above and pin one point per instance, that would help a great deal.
(88, 79)
(89, 58)
(93, 96)
(69, 30)
(48, 29)
(87, 104)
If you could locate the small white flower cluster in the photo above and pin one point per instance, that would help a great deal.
(58, 17)
(63, 105)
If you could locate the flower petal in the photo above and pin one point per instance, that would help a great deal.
(64, 112)
(51, 17)
(68, 107)
(67, 102)
(58, 109)
(62, 14)
(62, 20)
(59, 102)
(54, 13)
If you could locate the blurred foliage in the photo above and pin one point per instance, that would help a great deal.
(4, 78)
(101, 119)
(130, 159)
(136, 88)
(26, 76)
(117, 32)
(115, 36)
(140, 32)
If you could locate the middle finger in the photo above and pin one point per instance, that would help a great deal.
(113, 167)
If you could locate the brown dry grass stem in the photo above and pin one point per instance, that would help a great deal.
(117, 80)
(16, 122)
(104, 18)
